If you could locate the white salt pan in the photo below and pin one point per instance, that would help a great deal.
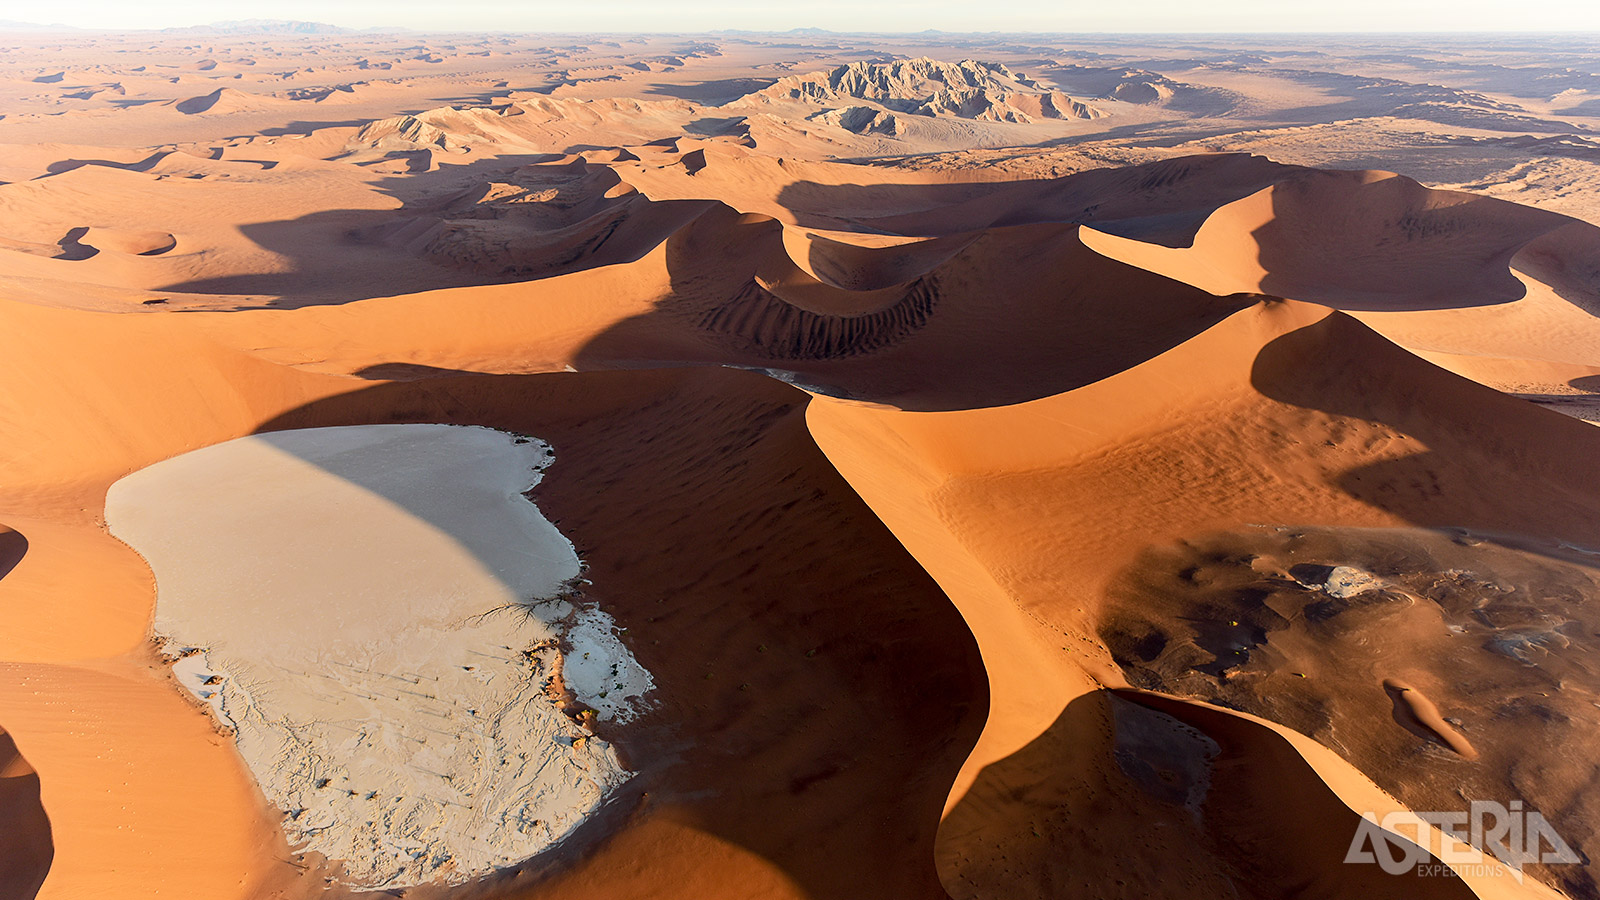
(1345, 582)
(374, 611)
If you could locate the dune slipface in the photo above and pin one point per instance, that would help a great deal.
(376, 615)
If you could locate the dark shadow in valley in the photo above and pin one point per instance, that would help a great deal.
(451, 231)
(302, 126)
(72, 247)
(409, 372)
(441, 238)
(1005, 316)
(143, 165)
(713, 93)
(1163, 202)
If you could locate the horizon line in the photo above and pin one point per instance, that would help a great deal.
(63, 27)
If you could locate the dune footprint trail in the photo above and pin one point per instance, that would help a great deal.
(376, 615)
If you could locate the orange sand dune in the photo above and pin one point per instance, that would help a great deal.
(1356, 240)
(1119, 399)
(777, 467)
(1447, 274)
(1270, 417)
(1008, 494)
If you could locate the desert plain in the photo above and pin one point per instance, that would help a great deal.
(802, 465)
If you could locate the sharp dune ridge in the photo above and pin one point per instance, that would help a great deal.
(969, 470)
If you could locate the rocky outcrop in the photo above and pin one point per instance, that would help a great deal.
(969, 89)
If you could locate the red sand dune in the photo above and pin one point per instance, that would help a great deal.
(1111, 530)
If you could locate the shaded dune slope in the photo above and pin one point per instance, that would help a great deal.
(1356, 240)
(1158, 797)
(1015, 314)
(1162, 201)
(13, 547)
(1497, 292)
(915, 585)
(1567, 259)
(536, 221)
(25, 845)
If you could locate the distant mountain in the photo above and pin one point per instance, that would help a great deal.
(10, 25)
(969, 89)
(264, 26)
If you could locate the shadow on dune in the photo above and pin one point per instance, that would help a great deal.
(13, 547)
(1013, 315)
(143, 165)
(1247, 816)
(816, 690)
(1375, 241)
(72, 248)
(713, 92)
(409, 372)
(26, 847)
(1567, 259)
(1369, 241)
(1162, 202)
(1540, 462)
(446, 234)
(452, 231)
(307, 127)
(1135, 794)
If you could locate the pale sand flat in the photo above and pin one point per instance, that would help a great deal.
(371, 610)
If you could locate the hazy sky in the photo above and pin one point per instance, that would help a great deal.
(849, 15)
